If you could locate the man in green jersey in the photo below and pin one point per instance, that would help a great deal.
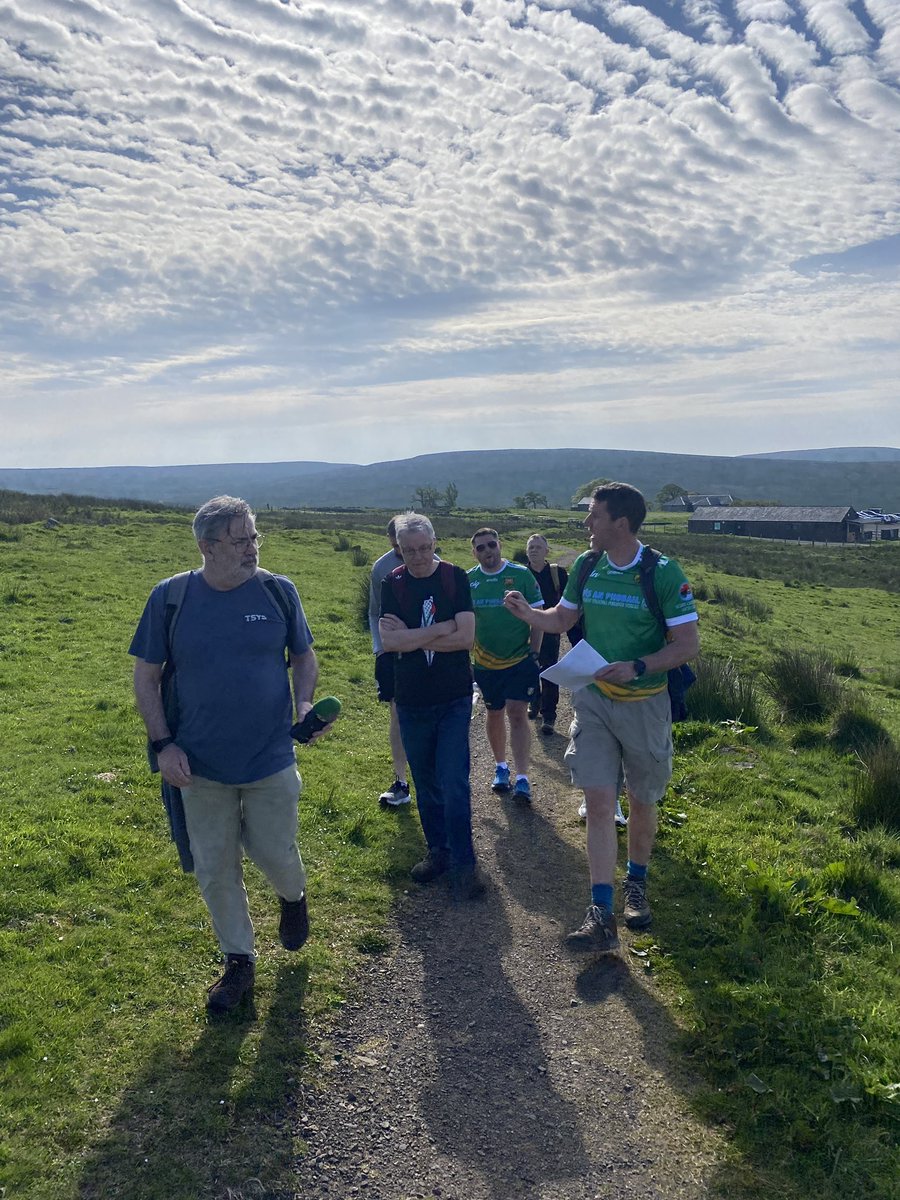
(505, 654)
(623, 722)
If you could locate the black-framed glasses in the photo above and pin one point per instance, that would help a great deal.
(244, 543)
(486, 546)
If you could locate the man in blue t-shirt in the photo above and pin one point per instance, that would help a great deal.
(231, 753)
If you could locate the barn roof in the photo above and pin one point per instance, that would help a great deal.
(794, 515)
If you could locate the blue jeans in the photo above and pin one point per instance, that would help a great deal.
(436, 741)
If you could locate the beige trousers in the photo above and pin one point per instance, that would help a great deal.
(224, 821)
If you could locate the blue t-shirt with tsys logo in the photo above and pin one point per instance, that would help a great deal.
(234, 697)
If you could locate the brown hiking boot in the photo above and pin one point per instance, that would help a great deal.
(598, 932)
(637, 910)
(432, 865)
(237, 982)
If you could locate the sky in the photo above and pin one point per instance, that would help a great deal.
(265, 230)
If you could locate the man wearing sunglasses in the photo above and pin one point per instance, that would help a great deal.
(239, 644)
(505, 657)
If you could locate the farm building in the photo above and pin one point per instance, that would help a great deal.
(838, 524)
(690, 502)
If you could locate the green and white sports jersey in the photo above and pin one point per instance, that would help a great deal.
(617, 621)
(501, 640)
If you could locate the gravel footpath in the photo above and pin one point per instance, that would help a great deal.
(485, 1061)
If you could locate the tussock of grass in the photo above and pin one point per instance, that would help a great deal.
(731, 598)
(856, 731)
(803, 684)
(722, 693)
(846, 664)
(876, 791)
(359, 557)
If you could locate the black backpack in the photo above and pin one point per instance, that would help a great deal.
(679, 678)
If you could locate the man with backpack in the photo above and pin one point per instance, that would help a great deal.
(217, 654)
(428, 623)
(551, 579)
(623, 722)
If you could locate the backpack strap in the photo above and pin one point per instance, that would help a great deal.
(554, 575)
(277, 592)
(647, 573)
(176, 590)
(588, 563)
(399, 581)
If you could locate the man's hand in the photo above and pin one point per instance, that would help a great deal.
(303, 707)
(392, 621)
(174, 766)
(616, 672)
(517, 605)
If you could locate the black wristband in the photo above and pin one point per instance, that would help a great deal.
(639, 667)
(161, 744)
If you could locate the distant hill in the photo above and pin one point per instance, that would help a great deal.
(836, 454)
(485, 479)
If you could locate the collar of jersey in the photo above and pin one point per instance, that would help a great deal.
(628, 566)
(503, 565)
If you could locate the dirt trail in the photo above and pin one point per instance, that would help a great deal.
(485, 1061)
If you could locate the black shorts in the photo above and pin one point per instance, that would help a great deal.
(384, 676)
(519, 682)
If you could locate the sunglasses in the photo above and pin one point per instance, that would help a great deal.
(486, 546)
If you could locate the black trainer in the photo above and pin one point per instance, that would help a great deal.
(237, 982)
(293, 928)
(598, 932)
(432, 865)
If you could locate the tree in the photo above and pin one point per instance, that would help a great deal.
(519, 502)
(427, 499)
(450, 496)
(671, 491)
(535, 500)
(587, 488)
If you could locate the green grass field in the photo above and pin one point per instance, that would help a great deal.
(776, 949)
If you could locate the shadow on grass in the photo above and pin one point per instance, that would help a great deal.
(186, 1129)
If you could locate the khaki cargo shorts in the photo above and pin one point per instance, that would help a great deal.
(616, 741)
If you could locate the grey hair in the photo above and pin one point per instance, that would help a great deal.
(214, 517)
(413, 522)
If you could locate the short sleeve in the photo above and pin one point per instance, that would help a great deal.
(463, 601)
(571, 591)
(299, 636)
(150, 642)
(676, 596)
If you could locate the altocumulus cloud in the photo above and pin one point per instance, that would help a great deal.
(392, 227)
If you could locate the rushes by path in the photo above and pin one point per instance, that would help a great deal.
(483, 1061)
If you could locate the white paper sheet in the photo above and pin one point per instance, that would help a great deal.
(576, 669)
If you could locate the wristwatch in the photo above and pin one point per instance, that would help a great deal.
(639, 667)
(161, 744)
